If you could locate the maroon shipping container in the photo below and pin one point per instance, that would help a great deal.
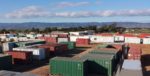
(82, 41)
(63, 35)
(51, 39)
(54, 47)
(21, 56)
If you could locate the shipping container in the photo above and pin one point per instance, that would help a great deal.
(63, 40)
(100, 64)
(71, 45)
(22, 39)
(146, 40)
(119, 38)
(8, 46)
(63, 35)
(73, 38)
(106, 51)
(5, 62)
(68, 66)
(107, 39)
(82, 41)
(133, 39)
(95, 39)
(38, 53)
(134, 53)
(109, 51)
(51, 39)
(21, 56)
(29, 43)
(54, 47)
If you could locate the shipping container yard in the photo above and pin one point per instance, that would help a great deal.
(65, 54)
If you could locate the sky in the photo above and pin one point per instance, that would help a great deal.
(74, 11)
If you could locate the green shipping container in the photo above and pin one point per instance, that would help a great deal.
(5, 62)
(64, 66)
(71, 45)
(117, 54)
(101, 64)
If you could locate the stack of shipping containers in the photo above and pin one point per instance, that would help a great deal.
(101, 61)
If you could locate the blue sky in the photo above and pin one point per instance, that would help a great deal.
(74, 10)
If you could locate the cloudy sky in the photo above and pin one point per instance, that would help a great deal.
(74, 10)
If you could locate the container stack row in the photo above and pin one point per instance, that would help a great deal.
(100, 61)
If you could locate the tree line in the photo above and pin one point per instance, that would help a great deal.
(111, 28)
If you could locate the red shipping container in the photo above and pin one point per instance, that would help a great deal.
(82, 41)
(51, 39)
(134, 53)
(21, 56)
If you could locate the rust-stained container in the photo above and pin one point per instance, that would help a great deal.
(134, 53)
(21, 56)
(82, 41)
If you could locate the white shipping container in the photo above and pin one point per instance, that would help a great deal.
(119, 38)
(132, 40)
(73, 38)
(14, 38)
(39, 35)
(107, 39)
(47, 35)
(38, 53)
(146, 40)
(95, 39)
(22, 39)
(8, 46)
(63, 40)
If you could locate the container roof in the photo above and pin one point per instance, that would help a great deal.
(69, 59)
(98, 56)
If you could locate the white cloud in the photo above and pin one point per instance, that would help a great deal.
(28, 12)
(106, 13)
(37, 12)
(72, 4)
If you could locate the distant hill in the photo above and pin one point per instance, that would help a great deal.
(41, 25)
